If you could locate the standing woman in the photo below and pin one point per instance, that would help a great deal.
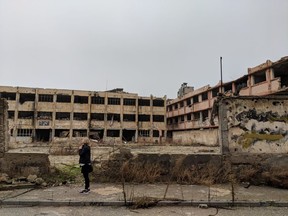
(85, 163)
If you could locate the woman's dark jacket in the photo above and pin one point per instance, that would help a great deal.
(85, 154)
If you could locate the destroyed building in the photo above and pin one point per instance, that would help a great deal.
(189, 116)
(55, 115)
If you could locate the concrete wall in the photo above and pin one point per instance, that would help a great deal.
(3, 127)
(207, 137)
(254, 124)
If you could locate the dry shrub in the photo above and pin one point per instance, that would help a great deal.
(246, 174)
(137, 172)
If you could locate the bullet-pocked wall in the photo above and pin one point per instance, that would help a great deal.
(254, 124)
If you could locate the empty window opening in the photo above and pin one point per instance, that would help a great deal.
(158, 103)
(259, 77)
(26, 97)
(43, 135)
(215, 92)
(181, 103)
(113, 133)
(169, 134)
(156, 133)
(144, 133)
(196, 116)
(62, 116)
(196, 99)
(205, 114)
(176, 106)
(79, 133)
(97, 116)
(129, 102)
(204, 96)
(228, 88)
(169, 121)
(98, 100)
(169, 108)
(44, 115)
(144, 118)
(175, 120)
(45, 98)
(96, 134)
(280, 71)
(129, 117)
(8, 95)
(242, 83)
(189, 117)
(128, 135)
(11, 114)
(25, 115)
(62, 133)
(81, 99)
(11, 132)
(158, 118)
(114, 101)
(182, 118)
(24, 132)
(63, 98)
(80, 116)
(188, 101)
(113, 117)
(144, 102)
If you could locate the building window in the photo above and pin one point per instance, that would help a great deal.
(114, 101)
(80, 116)
(175, 120)
(129, 102)
(144, 118)
(45, 98)
(63, 98)
(144, 102)
(98, 100)
(228, 87)
(205, 114)
(8, 95)
(188, 101)
(26, 97)
(259, 77)
(24, 132)
(196, 116)
(182, 118)
(189, 117)
(181, 104)
(79, 133)
(81, 99)
(113, 117)
(129, 117)
(169, 108)
(169, 121)
(215, 92)
(44, 115)
(156, 133)
(62, 116)
(25, 115)
(113, 133)
(144, 133)
(196, 99)
(175, 106)
(11, 114)
(158, 118)
(204, 96)
(61, 133)
(158, 103)
(97, 116)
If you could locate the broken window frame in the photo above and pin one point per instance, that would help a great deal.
(24, 132)
(44, 115)
(158, 118)
(25, 114)
(197, 116)
(158, 103)
(205, 114)
(259, 77)
(45, 98)
(62, 98)
(114, 101)
(215, 92)
(188, 102)
(80, 99)
(26, 97)
(59, 131)
(129, 117)
(82, 133)
(113, 133)
(63, 116)
(77, 116)
(129, 102)
(113, 117)
(11, 114)
(144, 133)
(8, 95)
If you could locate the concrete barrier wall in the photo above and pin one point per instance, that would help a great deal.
(254, 125)
(3, 127)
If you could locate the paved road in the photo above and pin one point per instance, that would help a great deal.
(157, 211)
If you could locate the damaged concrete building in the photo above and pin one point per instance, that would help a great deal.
(190, 117)
(55, 115)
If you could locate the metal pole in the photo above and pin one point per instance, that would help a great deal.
(221, 84)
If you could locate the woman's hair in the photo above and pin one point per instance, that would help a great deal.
(85, 141)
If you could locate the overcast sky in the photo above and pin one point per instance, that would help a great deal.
(144, 46)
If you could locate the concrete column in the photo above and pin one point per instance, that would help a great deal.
(223, 128)
(53, 116)
(136, 119)
(71, 116)
(121, 116)
(105, 116)
(35, 116)
(151, 118)
(15, 128)
(89, 114)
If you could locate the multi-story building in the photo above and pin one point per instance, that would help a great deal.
(192, 109)
(55, 115)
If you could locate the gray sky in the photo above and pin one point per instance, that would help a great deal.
(144, 46)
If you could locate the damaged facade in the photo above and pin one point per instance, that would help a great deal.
(55, 115)
(193, 109)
